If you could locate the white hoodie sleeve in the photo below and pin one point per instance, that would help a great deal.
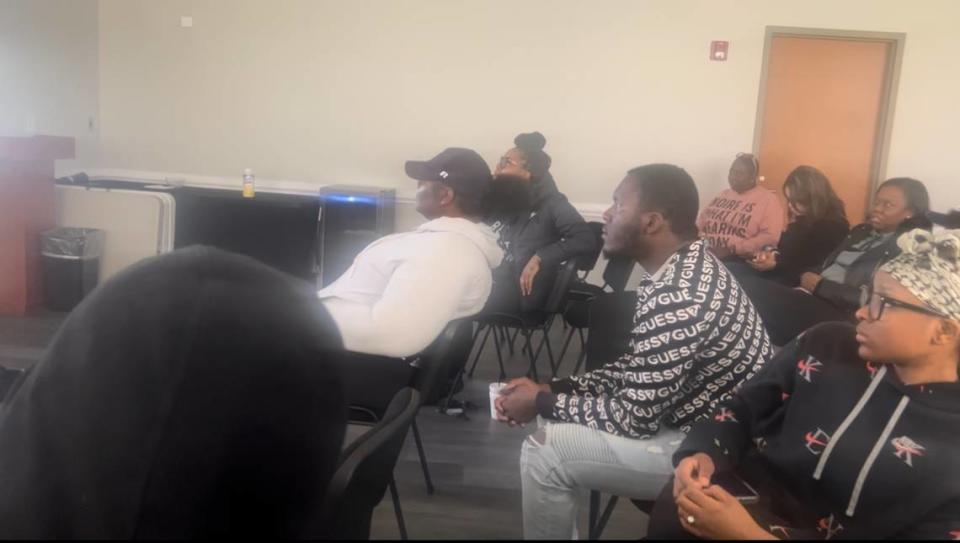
(421, 297)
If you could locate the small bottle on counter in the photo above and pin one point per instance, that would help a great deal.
(248, 191)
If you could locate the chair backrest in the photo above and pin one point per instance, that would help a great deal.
(950, 219)
(366, 469)
(617, 272)
(587, 262)
(611, 321)
(445, 356)
(10, 379)
(557, 300)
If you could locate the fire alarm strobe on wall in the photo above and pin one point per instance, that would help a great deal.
(718, 50)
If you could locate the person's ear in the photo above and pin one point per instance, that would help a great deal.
(947, 333)
(652, 223)
(445, 196)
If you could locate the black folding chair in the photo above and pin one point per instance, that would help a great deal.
(365, 472)
(443, 360)
(577, 312)
(586, 262)
(527, 324)
(611, 322)
(10, 380)
(425, 372)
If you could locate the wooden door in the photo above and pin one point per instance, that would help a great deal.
(822, 106)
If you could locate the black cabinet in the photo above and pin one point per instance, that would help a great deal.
(277, 229)
(286, 231)
(352, 217)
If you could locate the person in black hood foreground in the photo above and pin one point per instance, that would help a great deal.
(538, 228)
(188, 397)
(831, 292)
(851, 432)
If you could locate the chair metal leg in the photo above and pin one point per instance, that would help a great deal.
(483, 343)
(580, 359)
(605, 517)
(496, 343)
(554, 365)
(505, 334)
(532, 371)
(395, 496)
(423, 457)
(526, 343)
(566, 344)
(543, 342)
(545, 330)
(594, 512)
(453, 389)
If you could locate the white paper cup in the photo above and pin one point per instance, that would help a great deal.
(494, 392)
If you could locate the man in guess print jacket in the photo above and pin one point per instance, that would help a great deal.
(850, 433)
(696, 337)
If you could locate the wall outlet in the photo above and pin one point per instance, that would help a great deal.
(186, 21)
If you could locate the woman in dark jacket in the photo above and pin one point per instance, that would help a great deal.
(818, 224)
(832, 293)
(538, 230)
(193, 396)
(850, 433)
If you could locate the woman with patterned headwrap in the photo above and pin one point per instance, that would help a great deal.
(851, 432)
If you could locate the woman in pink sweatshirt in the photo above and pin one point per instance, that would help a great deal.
(745, 218)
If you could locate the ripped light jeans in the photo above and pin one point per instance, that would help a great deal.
(560, 459)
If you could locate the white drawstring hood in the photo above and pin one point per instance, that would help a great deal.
(480, 235)
(881, 441)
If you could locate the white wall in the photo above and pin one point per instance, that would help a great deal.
(325, 91)
(49, 72)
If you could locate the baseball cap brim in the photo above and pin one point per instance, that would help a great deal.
(421, 170)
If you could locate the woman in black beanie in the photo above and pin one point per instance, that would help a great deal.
(538, 228)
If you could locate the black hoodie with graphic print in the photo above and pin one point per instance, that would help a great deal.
(859, 454)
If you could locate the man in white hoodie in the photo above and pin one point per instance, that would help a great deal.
(402, 289)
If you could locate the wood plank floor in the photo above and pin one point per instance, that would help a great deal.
(475, 464)
(474, 461)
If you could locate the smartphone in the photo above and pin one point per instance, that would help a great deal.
(737, 487)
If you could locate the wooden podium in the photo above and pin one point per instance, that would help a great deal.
(26, 209)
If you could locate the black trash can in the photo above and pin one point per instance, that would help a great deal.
(71, 265)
